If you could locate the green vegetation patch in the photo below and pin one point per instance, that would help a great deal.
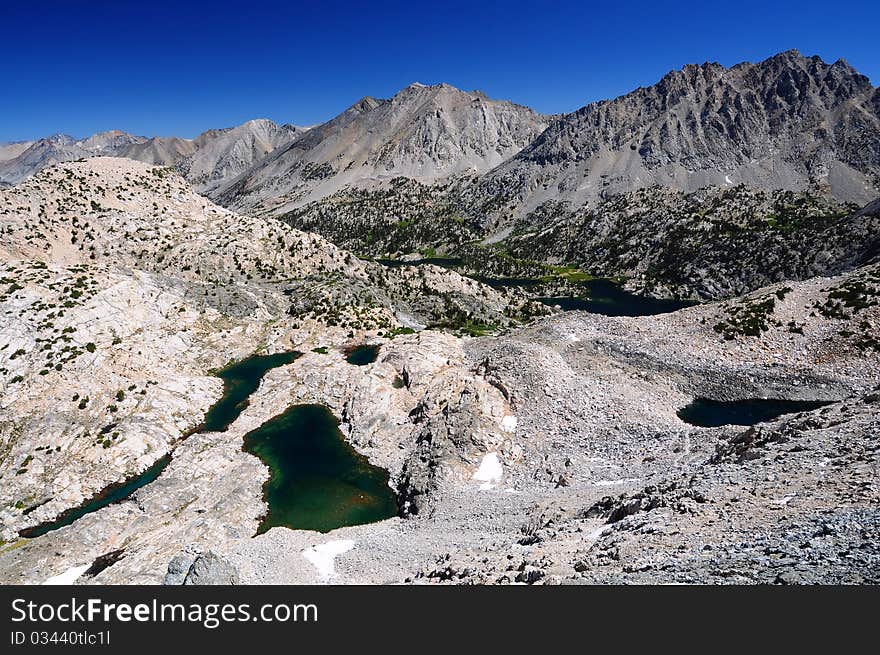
(750, 318)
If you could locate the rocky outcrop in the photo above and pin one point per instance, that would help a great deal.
(206, 568)
(503, 445)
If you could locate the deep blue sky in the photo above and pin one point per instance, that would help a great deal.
(158, 67)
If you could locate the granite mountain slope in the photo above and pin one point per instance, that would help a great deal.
(423, 132)
(121, 288)
(712, 182)
(216, 156)
(789, 122)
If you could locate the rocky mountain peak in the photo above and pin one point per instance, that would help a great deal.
(422, 132)
(109, 142)
(59, 139)
(788, 122)
(365, 104)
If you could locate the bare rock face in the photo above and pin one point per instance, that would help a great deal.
(789, 122)
(178, 567)
(160, 150)
(209, 569)
(12, 150)
(424, 132)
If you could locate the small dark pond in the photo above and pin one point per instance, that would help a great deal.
(609, 298)
(318, 481)
(713, 413)
(240, 380)
(362, 355)
(598, 295)
(108, 496)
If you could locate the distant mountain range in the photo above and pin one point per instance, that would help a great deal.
(21, 160)
(219, 155)
(205, 161)
(787, 123)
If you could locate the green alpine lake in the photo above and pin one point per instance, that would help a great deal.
(596, 295)
(240, 380)
(318, 481)
(362, 355)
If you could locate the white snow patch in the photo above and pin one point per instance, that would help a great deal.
(597, 532)
(323, 556)
(508, 423)
(68, 577)
(490, 471)
(609, 483)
